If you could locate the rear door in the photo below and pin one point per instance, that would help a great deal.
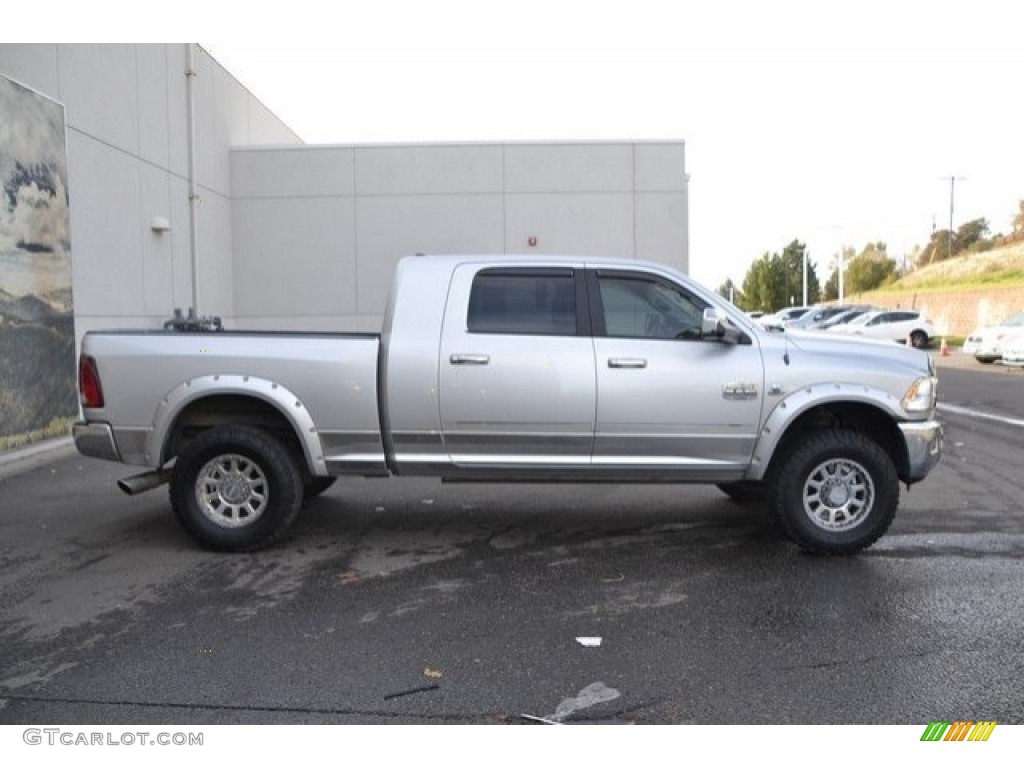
(517, 368)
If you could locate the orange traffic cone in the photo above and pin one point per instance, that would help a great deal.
(944, 348)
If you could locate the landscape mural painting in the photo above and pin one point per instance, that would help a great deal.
(37, 338)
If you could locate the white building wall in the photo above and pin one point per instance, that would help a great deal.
(299, 237)
(318, 230)
(126, 108)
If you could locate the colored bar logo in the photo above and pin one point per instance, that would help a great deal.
(960, 730)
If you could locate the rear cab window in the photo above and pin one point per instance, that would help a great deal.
(525, 301)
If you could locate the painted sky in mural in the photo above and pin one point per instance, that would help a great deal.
(37, 389)
(34, 236)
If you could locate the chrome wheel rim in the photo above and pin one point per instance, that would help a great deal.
(838, 495)
(232, 491)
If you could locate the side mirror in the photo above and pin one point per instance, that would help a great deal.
(715, 325)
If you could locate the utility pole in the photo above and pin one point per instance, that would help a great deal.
(805, 278)
(952, 187)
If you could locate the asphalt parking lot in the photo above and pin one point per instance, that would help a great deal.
(409, 601)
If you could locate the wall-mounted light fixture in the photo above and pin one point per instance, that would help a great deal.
(160, 224)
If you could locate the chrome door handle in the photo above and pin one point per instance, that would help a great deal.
(469, 359)
(627, 362)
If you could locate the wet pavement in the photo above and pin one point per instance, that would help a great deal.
(410, 601)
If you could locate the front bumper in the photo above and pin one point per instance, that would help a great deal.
(96, 439)
(924, 447)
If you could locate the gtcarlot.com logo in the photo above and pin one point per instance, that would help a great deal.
(58, 736)
(959, 730)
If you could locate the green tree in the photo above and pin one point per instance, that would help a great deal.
(831, 290)
(729, 290)
(870, 269)
(1018, 222)
(971, 237)
(776, 280)
(938, 248)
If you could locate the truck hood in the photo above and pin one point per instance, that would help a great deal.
(839, 352)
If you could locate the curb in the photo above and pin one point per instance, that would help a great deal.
(34, 456)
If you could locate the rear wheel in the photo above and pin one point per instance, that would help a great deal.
(919, 339)
(236, 489)
(836, 493)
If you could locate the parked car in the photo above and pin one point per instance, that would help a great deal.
(1013, 350)
(892, 324)
(815, 317)
(843, 318)
(821, 316)
(780, 319)
(986, 343)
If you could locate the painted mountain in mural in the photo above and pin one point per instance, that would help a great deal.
(37, 347)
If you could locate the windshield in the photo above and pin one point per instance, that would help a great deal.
(1017, 319)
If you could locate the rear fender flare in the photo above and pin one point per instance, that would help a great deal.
(280, 398)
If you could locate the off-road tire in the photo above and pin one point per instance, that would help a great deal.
(836, 493)
(236, 489)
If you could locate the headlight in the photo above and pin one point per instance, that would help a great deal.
(920, 397)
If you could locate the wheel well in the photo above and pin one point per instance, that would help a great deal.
(230, 410)
(866, 419)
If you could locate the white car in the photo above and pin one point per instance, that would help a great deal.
(780, 319)
(986, 343)
(893, 324)
(1013, 349)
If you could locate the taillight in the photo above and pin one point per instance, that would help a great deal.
(89, 390)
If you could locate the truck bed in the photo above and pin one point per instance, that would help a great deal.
(324, 383)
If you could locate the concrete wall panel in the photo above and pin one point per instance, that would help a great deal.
(429, 170)
(294, 257)
(106, 229)
(157, 247)
(295, 173)
(661, 230)
(569, 168)
(592, 224)
(100, 90)
(154, 108)
(660, 167)
(33, 65)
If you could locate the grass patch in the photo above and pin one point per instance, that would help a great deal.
(60, 427)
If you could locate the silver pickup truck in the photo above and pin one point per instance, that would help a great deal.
(517, 368)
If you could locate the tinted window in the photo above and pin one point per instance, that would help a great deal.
(523, 302)
(649, 309)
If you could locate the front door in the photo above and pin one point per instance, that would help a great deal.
(668, 401)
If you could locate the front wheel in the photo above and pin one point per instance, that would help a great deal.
(236, 489)
(837, 492)
(919, 339)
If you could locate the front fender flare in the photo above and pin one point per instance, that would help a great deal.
(800, 401)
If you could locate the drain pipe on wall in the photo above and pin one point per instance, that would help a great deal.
(193, 187)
